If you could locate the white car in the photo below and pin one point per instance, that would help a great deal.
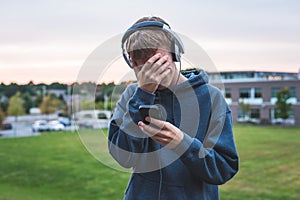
(55, 125)
(40, 125)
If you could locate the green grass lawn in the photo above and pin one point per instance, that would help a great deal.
(269, 164)
(57, 166)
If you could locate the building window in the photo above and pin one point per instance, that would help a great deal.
(240, 113)
(227, 93)
(245, 93)
(255, 113)
(257, 93)
(293, 91)
(291, 114)
(274, 91)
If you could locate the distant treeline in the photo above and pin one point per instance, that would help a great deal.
(40, 95)
(30, 88)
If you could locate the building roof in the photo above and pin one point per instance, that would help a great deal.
(249, 76)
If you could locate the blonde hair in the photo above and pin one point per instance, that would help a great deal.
(142, 44)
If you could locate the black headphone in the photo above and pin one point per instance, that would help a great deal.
(178, 47)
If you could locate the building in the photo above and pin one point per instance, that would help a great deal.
(258, 89)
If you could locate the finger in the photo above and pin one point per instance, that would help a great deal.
(148, 129)
(164, 67)
(163, 136)
(156, 78)
(164, 74)
(159, 63)
(162, 60)
(148, 64)
(162, 141)
(159, 123)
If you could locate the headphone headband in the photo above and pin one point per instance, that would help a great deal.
(178, 46)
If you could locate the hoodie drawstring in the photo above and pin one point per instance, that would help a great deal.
(160, 175)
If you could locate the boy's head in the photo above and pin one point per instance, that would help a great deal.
(144, 43)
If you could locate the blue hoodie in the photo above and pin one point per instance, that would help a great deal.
(206, 157)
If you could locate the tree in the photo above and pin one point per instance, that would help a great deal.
(16, 105)
(50, 104)
(28, 102)
(2, 116)
(282, 107)
(38, 100)
(4, 105)
(87, 104)
(245, 107)
(110, 105)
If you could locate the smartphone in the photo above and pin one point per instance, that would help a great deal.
(152, 111)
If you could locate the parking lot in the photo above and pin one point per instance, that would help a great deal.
(24, 129)
(19, 129)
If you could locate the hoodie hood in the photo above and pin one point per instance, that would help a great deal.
(196, 77)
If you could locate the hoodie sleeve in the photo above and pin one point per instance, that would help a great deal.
(124, 136)
(212, 157)
(215, 160)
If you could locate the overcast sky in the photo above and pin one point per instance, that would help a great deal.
(49, 40)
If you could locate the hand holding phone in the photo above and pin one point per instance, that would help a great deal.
(159, 129)
(152, 111)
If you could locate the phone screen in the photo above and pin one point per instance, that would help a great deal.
(152, 111)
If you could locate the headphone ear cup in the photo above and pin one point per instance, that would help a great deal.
(176, 52)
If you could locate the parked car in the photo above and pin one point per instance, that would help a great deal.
(65, 121)
(94, 119)
(6, 126)
(55, 125)
(40, 125)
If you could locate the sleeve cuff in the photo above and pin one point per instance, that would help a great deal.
(185, 144)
